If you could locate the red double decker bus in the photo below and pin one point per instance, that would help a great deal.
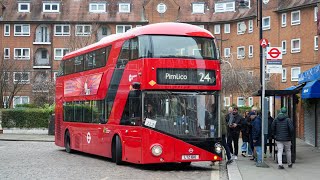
(150, 95)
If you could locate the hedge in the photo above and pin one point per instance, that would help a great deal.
(25, 118)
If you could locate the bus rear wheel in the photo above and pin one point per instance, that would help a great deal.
(117, 154)
(67, 142)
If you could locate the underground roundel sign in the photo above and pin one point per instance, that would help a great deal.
(274, 53)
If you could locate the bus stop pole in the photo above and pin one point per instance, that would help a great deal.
(263, 102)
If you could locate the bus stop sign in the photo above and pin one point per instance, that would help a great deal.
(264, 42)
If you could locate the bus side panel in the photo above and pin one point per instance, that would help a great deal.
(151, 138)
(131, 143)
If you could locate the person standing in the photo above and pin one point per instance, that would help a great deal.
(234, 126)
(245, 135)
(269, 137)
(283, 129)
(256, 136)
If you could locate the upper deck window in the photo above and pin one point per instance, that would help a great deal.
(24, 7)
(97, 7)
(124, 7)
(51, 7)
(161, 46)
(198, 8)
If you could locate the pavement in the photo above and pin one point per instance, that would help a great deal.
(306, 166)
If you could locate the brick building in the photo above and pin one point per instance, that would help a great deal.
(35, 34)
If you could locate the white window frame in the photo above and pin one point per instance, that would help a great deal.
(316, 43)
(21, 81)
(295, 78)
(59, 57)
(62, 33)
(197, 8)
(295, 22)
(295, 50)
(250, 51)
(264, 26)
(6, 56)
(161, 8)
(227, 28)
(239, 56)
(22, 33)
(238, 28)
(97, 5)
(225, 7)
(26, 57)
(217, 29)
(201, 25)
(284, 46)
(123, 27)
(284, 75)
(5, 32)
(244, 101)
(250, 101)
(24, 3)
(127, 10)
(51, 4)
(283, 19)
(250, 24)
(20, 98)
(55, 75)
(226, 101)
(315, 13)
(83, 27)
(226, 52)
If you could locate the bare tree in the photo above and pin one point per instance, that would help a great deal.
(43, 88)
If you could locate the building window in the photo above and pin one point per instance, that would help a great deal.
(6, 53)
(61, 30)
(240, 52)
(202, 26)
(24, 7)
(250, 51)
(250, 29)
(6, 76)
(295, 17)
(226, 52)
(315, 13)
(284, 47)
(198, 8)
(283, 19)
(60, 52)
(224, 7)
(161, 8)
(226, 101)
(83, 30)
(6, 30)
(21, 77)
(22, 53)
(241, 101)
(20, 100)
(316, 43)
(241, 26)
(97, 7)
(227, 28)
(22, 29)
(55, 75)
(124, 7)
(295, 73)
(50, 7)
(266, 23)
(250, 103)
(217, 29)
(295, 45)
(122, 28)
(284, 75)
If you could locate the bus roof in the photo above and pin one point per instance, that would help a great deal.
(167, 28)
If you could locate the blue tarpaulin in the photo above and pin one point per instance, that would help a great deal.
(310, 75)
(311, 90)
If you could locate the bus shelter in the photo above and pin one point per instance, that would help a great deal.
(288, 99)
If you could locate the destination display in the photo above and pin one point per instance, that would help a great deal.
(186, 76)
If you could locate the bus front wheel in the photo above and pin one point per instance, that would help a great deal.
(67, 142)
(117, 151)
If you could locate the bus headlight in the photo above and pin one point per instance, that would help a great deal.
(156, 150)
(218, 148)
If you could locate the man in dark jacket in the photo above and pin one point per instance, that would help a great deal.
(283, 129)
(256, 136)
(234, 125)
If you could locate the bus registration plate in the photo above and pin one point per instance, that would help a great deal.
(190, 157)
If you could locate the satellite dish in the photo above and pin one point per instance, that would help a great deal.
(242, 26)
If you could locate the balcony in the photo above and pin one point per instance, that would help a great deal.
(42, 36)
(41, 59)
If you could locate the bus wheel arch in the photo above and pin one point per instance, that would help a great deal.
(116, 149)
(67, 141)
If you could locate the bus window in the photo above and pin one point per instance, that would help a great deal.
(98, 112)
(61, 68)
(69, 66)
(100, 57)
(78, 111)
(124, 55)
(134, 49)
(88, 64)
(132, 111)
(68, 111)
(87, 111)
(78, 64)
